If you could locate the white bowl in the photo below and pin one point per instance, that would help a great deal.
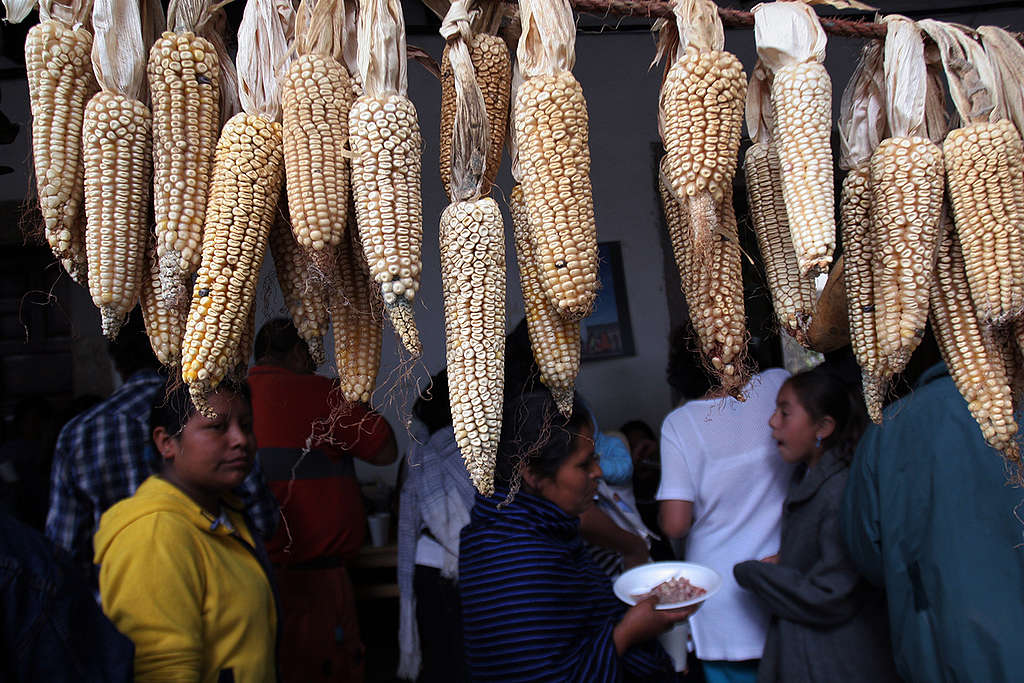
(642, 579)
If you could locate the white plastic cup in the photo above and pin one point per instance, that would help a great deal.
(379, 523)
(674, 642)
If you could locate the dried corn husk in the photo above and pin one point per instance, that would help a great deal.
(1007, 59)
(262, 54)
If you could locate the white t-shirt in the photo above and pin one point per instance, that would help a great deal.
(719, 454)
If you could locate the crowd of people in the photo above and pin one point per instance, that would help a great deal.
(184, 546)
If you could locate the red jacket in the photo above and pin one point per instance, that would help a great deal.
(321, 505)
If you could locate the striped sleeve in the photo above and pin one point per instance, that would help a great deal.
(524, 620)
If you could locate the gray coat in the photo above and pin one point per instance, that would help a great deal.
(828, 624)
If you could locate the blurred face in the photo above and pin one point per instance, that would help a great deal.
(211, 456)
(793, 429)
(575, 483)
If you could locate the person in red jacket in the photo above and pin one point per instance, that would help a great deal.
(307, 436)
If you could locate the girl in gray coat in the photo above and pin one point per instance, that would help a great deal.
(828, 624)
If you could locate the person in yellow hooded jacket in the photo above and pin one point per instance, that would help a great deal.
(179, 570)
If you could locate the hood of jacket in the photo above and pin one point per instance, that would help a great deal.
(156, 496)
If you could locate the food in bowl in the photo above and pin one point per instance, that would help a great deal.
(672, 591)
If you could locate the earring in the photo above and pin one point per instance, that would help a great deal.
(817, 444)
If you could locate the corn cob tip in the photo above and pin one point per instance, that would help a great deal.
(873, 388)
(402, 319)
(111, 321)
(482, 477)
(200, 391)
(316, 349)
(563, 399)
(77, 270)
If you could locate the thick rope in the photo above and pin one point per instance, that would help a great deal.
(731, 18)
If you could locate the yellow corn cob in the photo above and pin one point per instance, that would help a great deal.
(970, 353)
(385, 137)
(555, 342)
(246, 184)
(906, 205)
(985, 175)
(184, 81)
(713, 288)
(60, 83)
(316, 96)
(493, 68)
(305, 299)
(793, 296)
(116, 148)
(858, 246)
(702, 100)
(165, 325)
(802, 98)
(356, 317)
(551, 134)
(473, 282)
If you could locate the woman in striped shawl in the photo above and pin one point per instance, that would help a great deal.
(535, 605)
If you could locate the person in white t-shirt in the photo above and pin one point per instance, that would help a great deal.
(722, 488)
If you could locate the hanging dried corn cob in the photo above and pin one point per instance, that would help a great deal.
(555, 341)
(972, 354)
(906, 201)
(117, 152)
(791, 43)
(246, 185)
(385, 138)
(793, 295)
(985, 176)
(184, 81)
(713, 288)
(60, 83)
(472, 270)
(306, 301)
(356, 317)
(550, 124)
(165, 325)
(862, 126)
(316, 96)
(493, 67)
(700, 115)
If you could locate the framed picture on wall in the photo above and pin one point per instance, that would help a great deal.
(607, 332)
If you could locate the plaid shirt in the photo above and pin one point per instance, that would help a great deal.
(101, 458)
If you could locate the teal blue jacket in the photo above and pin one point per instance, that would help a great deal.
(928, 515)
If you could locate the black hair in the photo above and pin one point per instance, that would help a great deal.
(172, 408)
(275, 339)
(433, 407)
(131, 350)
(822, 393)
(535, 435)
(638, 426)
(686, 372)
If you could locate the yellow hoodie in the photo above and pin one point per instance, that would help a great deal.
(190, 594)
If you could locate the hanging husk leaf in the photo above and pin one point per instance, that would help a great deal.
(547, 44)
(936, 115)
(788, 33)
(1007, 58)
(905, 77)
(470, 132)
(15, 11)
(211, 26)
(964, 67)
(119, 53)
(510, 137)
(319, 29)
(699, 25)
(383, 63)
(758, 111)
(71, 13)
(262, 55)
(862, 118)
(350, 43)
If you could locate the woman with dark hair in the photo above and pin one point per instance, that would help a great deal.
(535, 606)
(827, 622)
(180, 572)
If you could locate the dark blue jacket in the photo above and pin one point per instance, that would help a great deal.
(928, 515)
(51, 628)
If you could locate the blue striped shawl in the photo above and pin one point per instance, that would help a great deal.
(535, 607)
